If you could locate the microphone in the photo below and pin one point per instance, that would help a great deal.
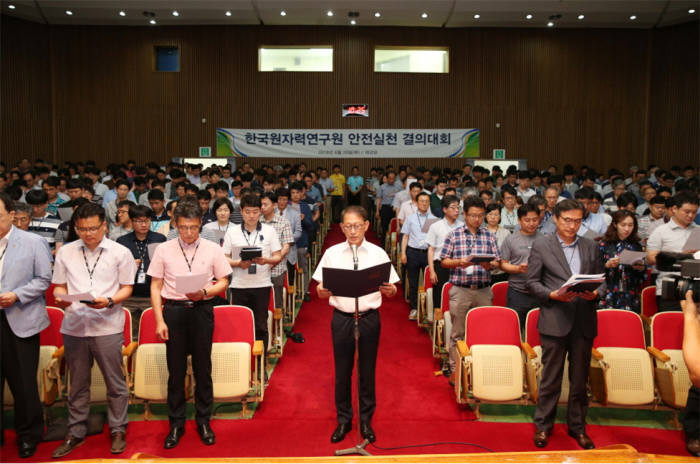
(354, 256)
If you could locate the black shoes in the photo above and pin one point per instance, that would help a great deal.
(583, 440)
(206, 434)
(340, 431)
(173, 437)
(68, 445)
(118, 443)
(541, 438)
(693, 446)
(367, 432)
(26, 449)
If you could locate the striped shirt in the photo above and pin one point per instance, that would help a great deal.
(461, 243)
(284, 233)
(45, 227)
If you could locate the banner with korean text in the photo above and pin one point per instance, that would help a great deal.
(348, 143)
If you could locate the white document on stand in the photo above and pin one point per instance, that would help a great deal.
(77, 297)
(190, 282)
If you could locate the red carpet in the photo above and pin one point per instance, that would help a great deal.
(413, 407)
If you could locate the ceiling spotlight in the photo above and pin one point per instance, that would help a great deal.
(228, 13)
(329, 13)
(283, 13)
(152, 21)
(581, 16)
(378, 14)
(477, 16)
(69, 12)
(122, 13)
(12, 7)
(691, 11)
(424, 15)
(175, 13)
(353, 22)
(550, 24)
(528, 16)
(633, 17)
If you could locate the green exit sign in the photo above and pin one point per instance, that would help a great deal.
(499, 154)
(205, 152)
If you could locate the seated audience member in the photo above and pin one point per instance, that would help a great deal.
(23, 215)
(156, 201)
(509, 214)
(121, 189)
(50, 186)
(515, 252)
(435, 239)
(122, 225)
(137, 242)
(43, 223)
(648, 192)
(222, 211)
(524, 191)
(591, 221)
(649, 222)
(627, 201)
(623, 281)
(165, 228)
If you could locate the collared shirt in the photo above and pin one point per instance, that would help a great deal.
(400, 198)
(340, 257)
(326, 183)
(509, 219)
(437, 233)
(414, 228)
(407, 208)
(139, 250)
(158, 220)
(111, 265)
(236, 239)
(355, 183)
(670, 236)
(594, 222)
(386, 192)
(3, 247)
(647, 225)
(294, 218)
(461, 243)
(525, 194)
(169, 262)
(45, 227)
(111, 195)
(284, 234)
(572, 254)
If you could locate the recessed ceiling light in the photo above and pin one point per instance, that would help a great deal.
(424, 15)
(152, 21)
(691, 11)
(283, 13)
(12, 7)
(550, 24)
(633, 17)
(122, 13)
(378, 14)
(228, 13)
(69, 12)
(477, 16)
(175, 13)
(329, 13)
(353, 22)
(581, 16)
(528, 17)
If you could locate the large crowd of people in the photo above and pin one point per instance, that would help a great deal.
(91, 228)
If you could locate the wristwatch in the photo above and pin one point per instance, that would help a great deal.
(111, 302)
(204, 292)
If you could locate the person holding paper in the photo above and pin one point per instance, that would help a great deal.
(471, 283)
(22, 317)
(94, 329)
(414, 248)
(435, 239)
(354, 225)
(623, 282)
(250, 280)
(186, 321)
(568, 321)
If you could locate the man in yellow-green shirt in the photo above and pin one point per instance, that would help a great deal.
(338, 192)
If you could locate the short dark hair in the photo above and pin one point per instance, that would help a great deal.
(156, 194)
(222, 201)
(536, 200)
(52, 181)
(447, 200)
(421, 194)
(493, 207)
(203, 194)
(528, 208)
(509, 190)
(7, 202)
(299, 186)
(625, 199)
(121, 182)
(139, 211)
(270, 196)
(414, 185)
(36, 197)
(524, 174)
(488, 193)
(472, 201)
(89, 210)
(657, 200)
(251, 201)
(282, 192)
(354, 209)
(188, 208)
(568, 205)
(73, 184)
(584, 193)
(682, 198)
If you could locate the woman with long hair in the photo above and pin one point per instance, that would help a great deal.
(624, 282)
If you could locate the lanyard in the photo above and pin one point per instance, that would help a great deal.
(87, 266)
(2, 256)
(189, 262)
(142, 249)
(248, 236)
(573, 252)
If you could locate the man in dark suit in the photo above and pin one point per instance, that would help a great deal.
(568, 321)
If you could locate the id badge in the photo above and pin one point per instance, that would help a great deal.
(141, 277)
(252, 269)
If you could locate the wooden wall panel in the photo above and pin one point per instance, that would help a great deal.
(560, 96)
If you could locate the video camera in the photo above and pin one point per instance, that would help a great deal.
(674, 288)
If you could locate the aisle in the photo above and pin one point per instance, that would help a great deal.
(413, 407)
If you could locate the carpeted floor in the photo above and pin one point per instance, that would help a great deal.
(413, 407)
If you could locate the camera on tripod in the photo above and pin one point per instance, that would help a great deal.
(674, 287)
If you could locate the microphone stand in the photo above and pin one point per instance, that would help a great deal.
(360, 447)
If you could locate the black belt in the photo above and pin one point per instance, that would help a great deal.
(361, 314)
(422, 250)
(472, 286)
(186, 303)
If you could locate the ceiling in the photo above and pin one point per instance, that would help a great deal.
(440, 13)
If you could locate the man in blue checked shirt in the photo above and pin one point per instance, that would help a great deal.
(414, 248)
(470, 282)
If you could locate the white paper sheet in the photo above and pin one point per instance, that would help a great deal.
(76, 297)
(190, 282)
(629, 257)
(693, 242)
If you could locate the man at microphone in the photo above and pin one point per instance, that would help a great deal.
(354, 253)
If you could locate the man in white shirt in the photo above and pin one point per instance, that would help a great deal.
(655, 218)
(354, 224)
(509, 214)
(410, 206)
(524, 191)
(94, 329)
(250, 280)
(435, 239)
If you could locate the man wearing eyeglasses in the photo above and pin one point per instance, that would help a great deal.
(93, 327)
(568, 321)
(354, 224)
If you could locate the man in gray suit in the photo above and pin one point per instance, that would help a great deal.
(25, 274)
(568, 322)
